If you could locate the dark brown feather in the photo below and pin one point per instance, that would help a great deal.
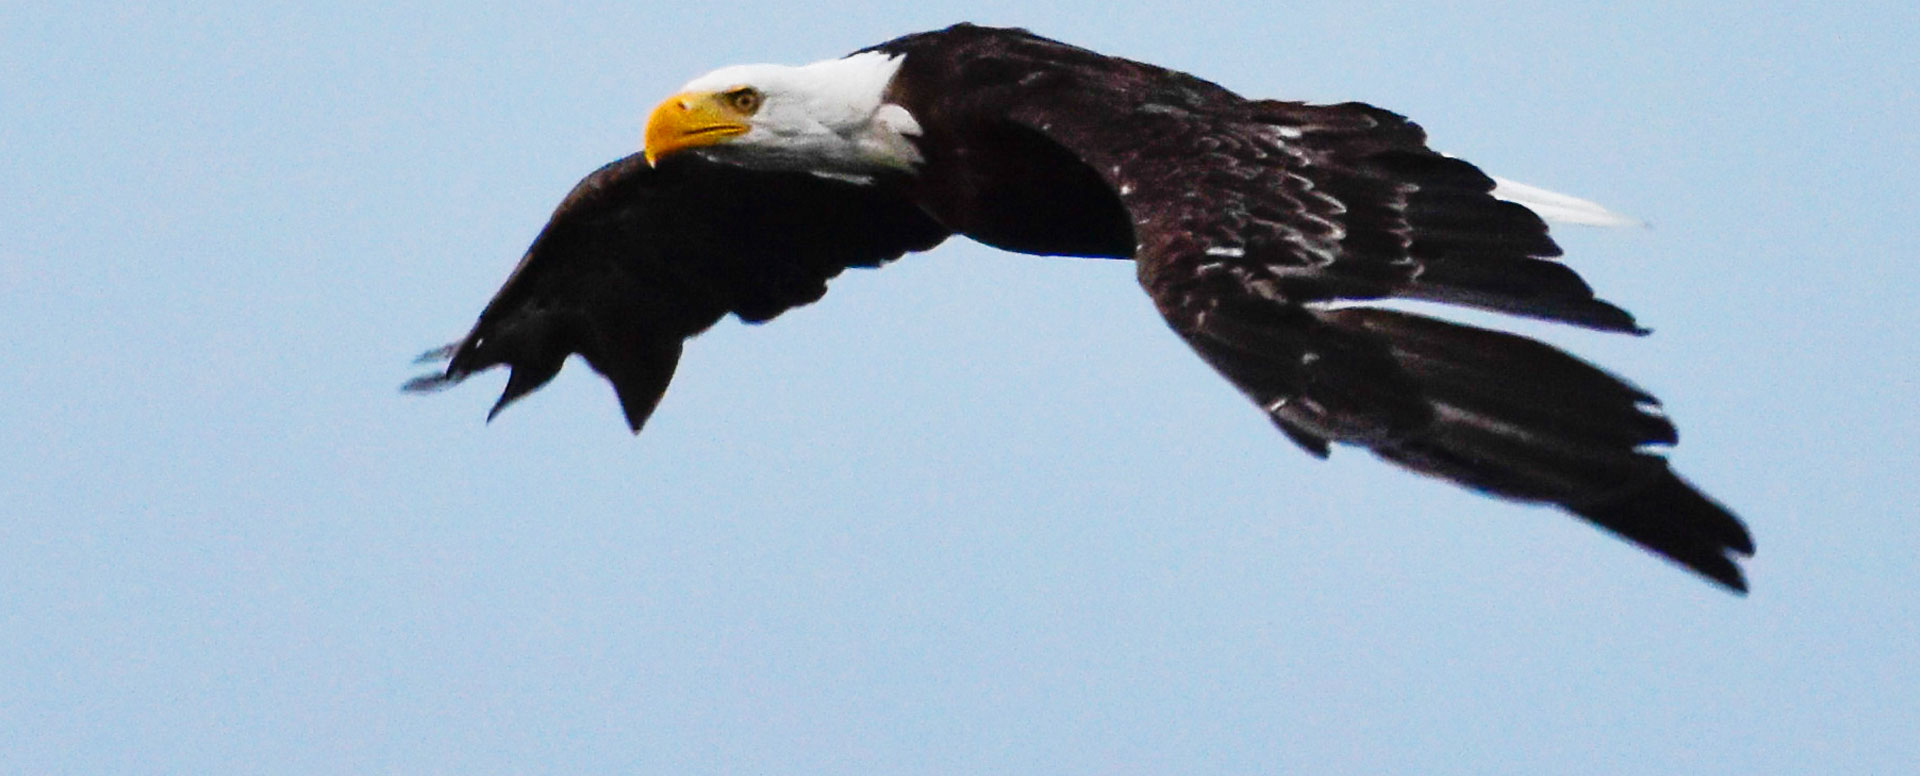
(1257, 224)
(638, 259)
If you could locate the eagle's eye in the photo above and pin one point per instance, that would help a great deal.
(745, 99)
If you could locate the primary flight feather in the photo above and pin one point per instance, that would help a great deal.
(1260, 228)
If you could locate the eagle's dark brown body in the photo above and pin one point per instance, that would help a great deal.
(1255, 226)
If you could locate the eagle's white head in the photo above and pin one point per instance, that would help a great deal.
(830, 118)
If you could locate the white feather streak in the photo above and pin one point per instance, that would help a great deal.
(1563, 208)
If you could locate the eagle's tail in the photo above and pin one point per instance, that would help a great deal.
(1557, 207)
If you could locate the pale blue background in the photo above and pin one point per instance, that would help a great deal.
(975, 513)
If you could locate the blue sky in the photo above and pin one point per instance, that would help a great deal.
(974, 513)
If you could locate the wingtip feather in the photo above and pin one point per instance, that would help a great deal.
(437, 355)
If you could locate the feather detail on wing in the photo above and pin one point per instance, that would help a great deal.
(637, 259)
(1252, 216)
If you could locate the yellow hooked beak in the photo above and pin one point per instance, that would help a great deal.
(691, 120)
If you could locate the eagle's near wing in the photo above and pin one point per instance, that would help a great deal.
(1259, 224)
(637, 259)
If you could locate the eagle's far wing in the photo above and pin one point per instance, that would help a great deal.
(1259, 224)
(637, 259)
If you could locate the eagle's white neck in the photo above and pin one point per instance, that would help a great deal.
(830, 118)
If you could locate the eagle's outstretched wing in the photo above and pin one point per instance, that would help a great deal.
(637, 259)
(1261, 229)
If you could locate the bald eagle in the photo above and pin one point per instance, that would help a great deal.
(1261, 229)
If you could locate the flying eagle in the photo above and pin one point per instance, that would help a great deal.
(1260, 229)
